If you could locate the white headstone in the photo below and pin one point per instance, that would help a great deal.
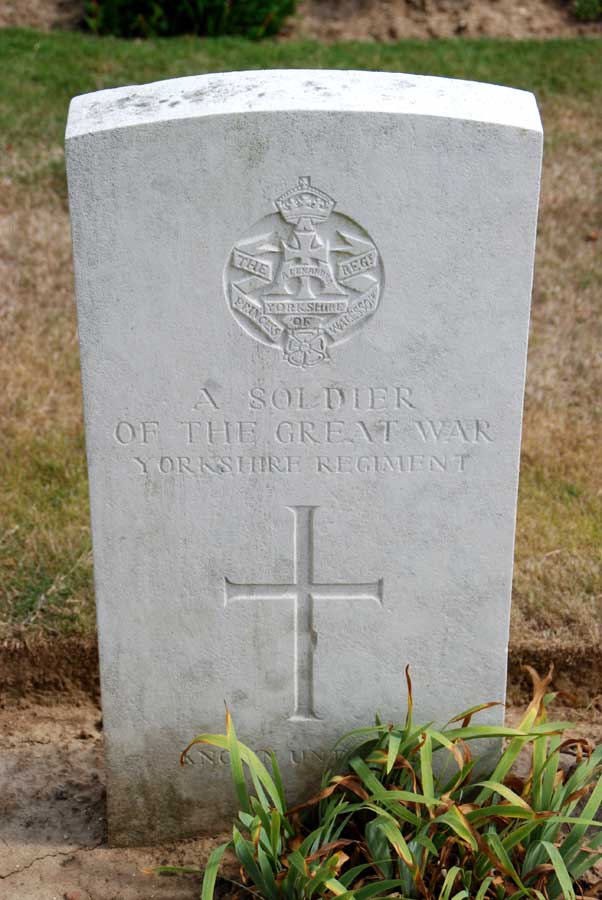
(303, 312)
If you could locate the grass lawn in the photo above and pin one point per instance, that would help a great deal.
(45, 562)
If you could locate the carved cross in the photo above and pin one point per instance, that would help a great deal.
(303, 591)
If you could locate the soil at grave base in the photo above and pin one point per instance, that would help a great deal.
(52, 815)
(50, 669)
(39, 666)
(52, 811)
(384, 20)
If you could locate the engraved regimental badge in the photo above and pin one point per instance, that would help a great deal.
(304, 278)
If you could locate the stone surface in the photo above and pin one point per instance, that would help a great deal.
(303, 311)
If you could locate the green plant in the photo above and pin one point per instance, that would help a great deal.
(145, 18)
(588, 10)
(404, 817)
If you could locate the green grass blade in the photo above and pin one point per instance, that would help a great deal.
(393, 834)
(448, 884)
(481, 893)
(426, 768)
(550, 770)
(348, 877)
(338, 889)
(238, 775)
(564, 879)
(275, 832)
(379, 848)
(392, 751)
(504, 765)
(405, 796)
(584, 860)
(368, 777)
(173, 870)
(250, 759)
(244, 853)
(423, 840)
(509, 811)
(268, 874)
(211, 870)
(572, 842)
(278, 779)
(457, 824)
(540, 746)
(502, 854)
(383, 805)
(497, 788)
(485, 731)
(519, 834)
(376, 887)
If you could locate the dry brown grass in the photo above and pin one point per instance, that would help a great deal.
(558, 572)
(45, 574)
(39, 366)
(45, 570)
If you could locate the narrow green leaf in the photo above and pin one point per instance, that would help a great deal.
(497, 788)
(483, 889)
(453, 818)
(211, 870)
(392, 751)
(550, 770)
(448, 884)
(250, 759)
(426, 768)
(244, 852)
(572, 842)
(377, 887)
(540, 747)
(508, 810)
(275, 832)
(297, 860)
(505, 763)
(277, 778)
(561, 871)
(271, 889)
(519, 834)
(584, 860)
(424, 841)
(351, 874)
(173, 870)
(495, 842)
(238, 775)
(338, 889)
(396, 839)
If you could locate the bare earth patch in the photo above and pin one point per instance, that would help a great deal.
(43, 14)
(392, 20)
(53, 818)
(52, 815)
(382, 20)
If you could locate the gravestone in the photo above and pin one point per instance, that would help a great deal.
(303, 303)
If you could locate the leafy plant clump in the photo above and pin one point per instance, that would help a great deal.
(405, 819)
(163, 18)
(588, 10)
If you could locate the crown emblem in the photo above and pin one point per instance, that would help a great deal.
(305, 202)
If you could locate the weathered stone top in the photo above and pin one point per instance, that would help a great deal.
(306, 89)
